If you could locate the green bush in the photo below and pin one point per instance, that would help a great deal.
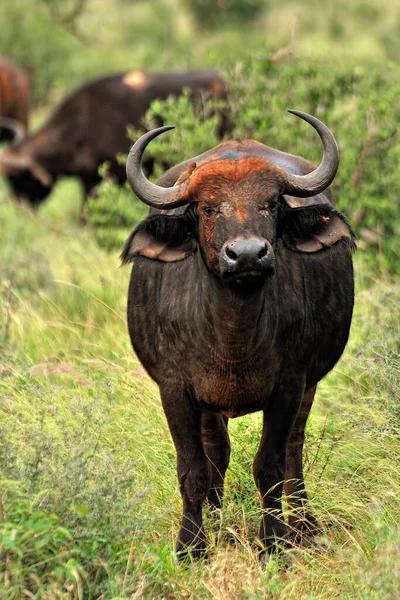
(37, 551)
(211, 13)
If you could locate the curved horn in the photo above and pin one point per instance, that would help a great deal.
(318, 180)
(12, 163)
(17, 127)
(151, 194)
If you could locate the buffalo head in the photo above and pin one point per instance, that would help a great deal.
(29, 179)
(238, 204)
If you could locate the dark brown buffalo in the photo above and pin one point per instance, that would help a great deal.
(240, 300)
(14, 100)
(89, 127)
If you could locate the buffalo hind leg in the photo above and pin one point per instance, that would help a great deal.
(214, 431)
(269, 463)
(194, 471)
(302, 523)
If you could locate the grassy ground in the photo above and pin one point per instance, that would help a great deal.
(89, 504)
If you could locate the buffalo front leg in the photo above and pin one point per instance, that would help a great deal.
(269, 463)
(194, 471)
(216, 444)
(301, 521)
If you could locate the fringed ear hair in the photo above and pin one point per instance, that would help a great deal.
(161, 237)
(315, 228)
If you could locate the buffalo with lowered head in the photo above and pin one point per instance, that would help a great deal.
(90, 127)
(240, 300)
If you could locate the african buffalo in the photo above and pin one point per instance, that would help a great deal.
(89, 127)
(14, 101)
(240, 300)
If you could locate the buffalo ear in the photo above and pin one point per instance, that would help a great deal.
(315, 228)
(161, 237)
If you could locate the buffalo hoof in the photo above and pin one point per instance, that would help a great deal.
(303, 531)
(191, 549)
(214, 499)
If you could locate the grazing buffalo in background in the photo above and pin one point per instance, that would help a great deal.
(89, 127)
(14, 101)
(240, 300)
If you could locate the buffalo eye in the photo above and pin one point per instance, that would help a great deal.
(208, 211)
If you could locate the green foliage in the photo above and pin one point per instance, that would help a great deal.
(214, 13)
(63, 43)
(37, 552)
(113, 213)
(44, 61)
(196, 129)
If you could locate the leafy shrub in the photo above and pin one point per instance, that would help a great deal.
(77, 508)
(361, 106)
(36, 550)
(209, 13)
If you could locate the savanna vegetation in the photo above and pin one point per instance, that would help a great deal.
(89, 505)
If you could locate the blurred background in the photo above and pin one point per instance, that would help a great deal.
(60, 44)
(338, 61)
(89, 505)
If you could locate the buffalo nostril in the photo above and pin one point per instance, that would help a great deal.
(230, 253)
(263, 252)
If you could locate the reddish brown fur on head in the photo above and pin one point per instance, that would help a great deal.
(294, 183)
(232, 198)
(238, 193)
(249, 173)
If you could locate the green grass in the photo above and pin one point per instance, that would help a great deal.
(89, 501)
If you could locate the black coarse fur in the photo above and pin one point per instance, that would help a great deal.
(219, 350)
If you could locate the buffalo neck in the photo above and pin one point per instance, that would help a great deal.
(237, 322)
